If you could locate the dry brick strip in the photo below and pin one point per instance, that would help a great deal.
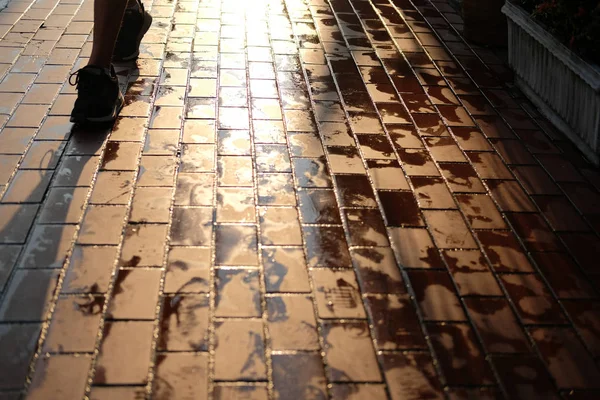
(301, 199)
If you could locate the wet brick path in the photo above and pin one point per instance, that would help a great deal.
(303, 199)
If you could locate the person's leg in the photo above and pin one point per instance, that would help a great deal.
(136, 23)
(99, 98)
(108, 15)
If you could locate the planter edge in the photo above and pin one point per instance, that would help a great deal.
(558, 122)
(588, 72)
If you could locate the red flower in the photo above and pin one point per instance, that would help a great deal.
(572, 42)
(581, 12)
(545, 5)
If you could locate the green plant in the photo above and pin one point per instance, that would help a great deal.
(576, 23)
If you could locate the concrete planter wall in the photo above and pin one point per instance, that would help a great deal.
(564, 87)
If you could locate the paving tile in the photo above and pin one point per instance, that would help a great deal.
(414, 248)
(197, 158)
(239, 351)
(366, 227)
(75, 323)
(60, 376)
(471, 273)
(461, 178)
(184, 323)
(430, 125)
(504, 251)
(64, 205)
(483, 393)
(449, 229)
(396, 325)
(497, 325)
(536, 382)
(187, 270)
(124, 353)
(583, 248)
(566, 358)
(236, 245)
(15, 140)
(513, 152)
(135, 294)
(181, 375)
(471, 139)
(151, 205)
(585, 319)
(90, 269)
(112, 187)
(387, 174)
(338, 337)
(27, 186)
(318, 206)
(489, 165)
(18, 342)
(417, 162)
(28, 296)
(194, 189)
(271, 132)
(377, 270)
(94, 230)
(161, 142)
(510, 196)
(480, 211)
(279, 226)
(76, 171)
(199, 131)
(237, 293)
(254, 392)
(299, 376)
(16, 221)
(326, 246)
(354, 191)
(532, 299)
(285, 270)
(436, 296)
(120, 156)
(534, 232)
(344, 160)
(8, 260)
(461, 360)
(560, 168)
(564, 276)
(143, 245)
(411, 376)
(292, 324)
(444, 149)
(358, 391)
(400, 209)
(234, 171)
(561, 215)
(191, 226)
(337, 294)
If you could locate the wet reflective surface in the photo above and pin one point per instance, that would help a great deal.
(325, 199)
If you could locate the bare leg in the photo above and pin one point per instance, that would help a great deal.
(108, 15)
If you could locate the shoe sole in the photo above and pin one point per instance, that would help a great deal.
(98, 120)
(145, 28)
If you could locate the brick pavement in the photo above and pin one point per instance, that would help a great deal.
(302, 199)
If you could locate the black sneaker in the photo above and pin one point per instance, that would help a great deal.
(99, 97)
(136, 23)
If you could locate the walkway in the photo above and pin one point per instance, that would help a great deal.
(303, 199)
